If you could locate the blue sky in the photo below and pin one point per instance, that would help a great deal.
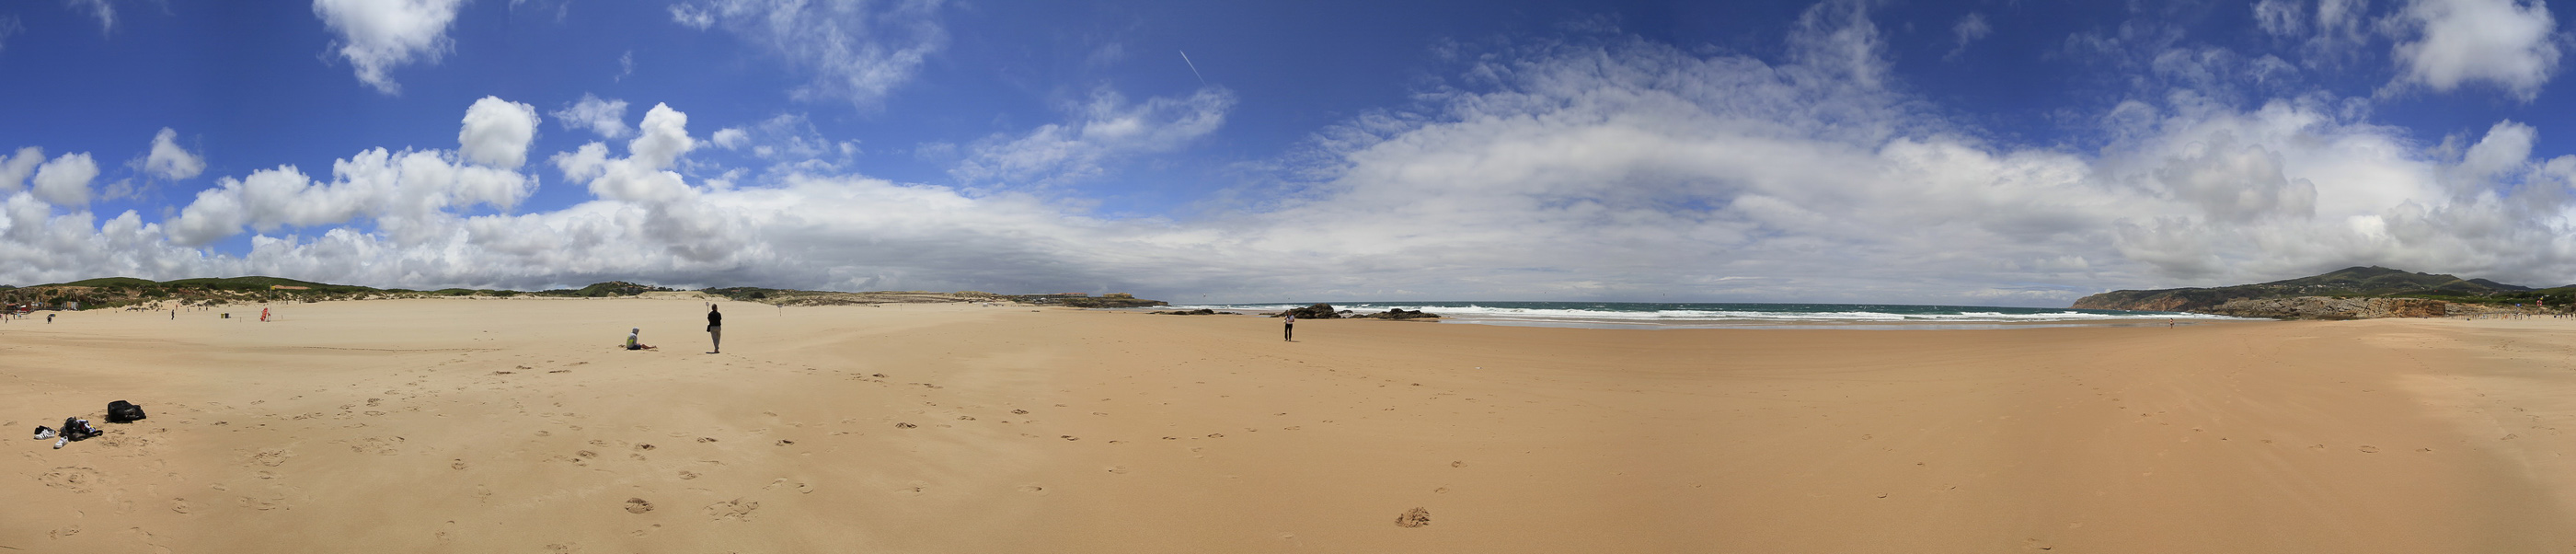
(1980, 152)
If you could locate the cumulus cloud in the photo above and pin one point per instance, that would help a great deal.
(409, 194)
(605, 117)
(168, 160)
(497, 132)
(1106, 127)
(857, 51)
(15, 168)
(376, 36)
(2445, 44)
(65, 180)
(730, 138)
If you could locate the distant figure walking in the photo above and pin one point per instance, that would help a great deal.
(49, 318)
(715, 329)
(1290, 333)
(263, 315)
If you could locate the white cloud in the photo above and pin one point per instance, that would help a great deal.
(857, 51)
(170, 161)
(605, 117)
(693, 17)
(65, 181)
(377, 36)
(14, 169)
(1971, 28)
(101, 9)
(730, 139)
(1105, 128)
(408, 194)
(497, 132)
(2445, 44)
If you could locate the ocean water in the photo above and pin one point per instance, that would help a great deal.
(1645, 315)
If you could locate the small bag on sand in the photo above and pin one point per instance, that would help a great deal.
(123, 412)
(43, 432)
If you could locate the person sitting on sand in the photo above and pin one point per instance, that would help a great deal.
(630, 340)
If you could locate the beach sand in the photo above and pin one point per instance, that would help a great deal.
(512, 426)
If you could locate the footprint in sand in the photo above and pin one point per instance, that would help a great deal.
(687, 475)
(271, 457)
(1032, 489)
(458, 464)
(735, 509)
(638, 505)
(1416, 517)
(900, 425)
(645, 446)
(1458, 464)
(2368, 449)
(73, 478)
(706, 439)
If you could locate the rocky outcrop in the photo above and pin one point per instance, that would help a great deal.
(2327, 307)
(1399, 314)
(1200, 311)
(1318, 311)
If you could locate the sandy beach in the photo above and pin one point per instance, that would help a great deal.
(513, 426)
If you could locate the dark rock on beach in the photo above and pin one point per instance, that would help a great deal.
(1200, 311)
(1401, 313)
(1318, 311)
(1326, 311)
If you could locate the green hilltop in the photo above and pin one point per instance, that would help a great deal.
(2351, 282)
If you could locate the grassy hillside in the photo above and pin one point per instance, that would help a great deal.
(2348, 282)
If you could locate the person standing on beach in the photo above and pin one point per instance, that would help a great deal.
(1291, 330)
(715, 329)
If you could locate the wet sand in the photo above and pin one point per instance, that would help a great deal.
(513, 426)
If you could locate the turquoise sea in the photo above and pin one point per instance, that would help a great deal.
(1650, 315)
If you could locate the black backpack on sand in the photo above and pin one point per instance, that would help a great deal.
(123, 412)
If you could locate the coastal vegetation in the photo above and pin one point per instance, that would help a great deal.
(2353, 292)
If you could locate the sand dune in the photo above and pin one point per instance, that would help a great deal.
(512, 426)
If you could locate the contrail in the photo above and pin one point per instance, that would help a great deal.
(1194, 68)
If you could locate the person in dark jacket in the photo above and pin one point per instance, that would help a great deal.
(715, 329)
